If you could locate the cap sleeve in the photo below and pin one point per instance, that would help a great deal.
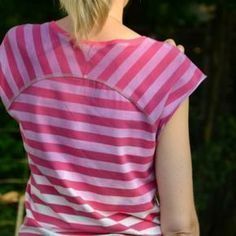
(180, 86)
(7, 83)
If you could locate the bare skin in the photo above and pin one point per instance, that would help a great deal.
(113, 27)
(173, 164)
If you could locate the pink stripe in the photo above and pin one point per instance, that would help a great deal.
(94, 204)
(24, 54)
(185, 88)
(98, 56)
(90, 163)
(4, 99)
(78, 227)
(68, 209)
(66, 189)
(90, 111)
(92, 128)
(10, 60)
(84, 87)
(94, 172)
(91, 155)
(73, 63)
(5, 86)
(180, 96)
(146, 84)
(93, 137)
(83, 118)
(140, 62)
(124, 65)
(48, 46)
(59, 53)
(165, 88)
(143, 74)
(7, 80)
(83, 99)
(74, 81)
(40, 53)
(31, 49)
(110, 71)
(88, 145)
(105, 62)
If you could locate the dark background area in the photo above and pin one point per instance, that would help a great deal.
(207, 29)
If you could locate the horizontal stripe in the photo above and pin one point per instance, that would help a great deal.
(90, 109)
(86, 135)
(114, 127)
(86, 209)
(110, 183)
(46, 139)
(92, 188)
(95, 172)
(102, 162)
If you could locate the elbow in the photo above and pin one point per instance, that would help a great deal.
(190, 228)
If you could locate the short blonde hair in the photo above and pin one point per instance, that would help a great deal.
(86, 14)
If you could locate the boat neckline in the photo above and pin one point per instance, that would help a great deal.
(59, 29)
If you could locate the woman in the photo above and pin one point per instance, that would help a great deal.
(103, 114)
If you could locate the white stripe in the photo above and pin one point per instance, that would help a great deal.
(129, 221)
(4, 98)
(53, 199)
(64, 86)
(77, 160)
(18, 59)
(82, 126)
(49, 50)
(170, 107)
(146, 70)
(96, 181)
(160, 81)
(70, 57)
(27, 229)
(45, 210)
(60, 200)
(37, 230)
(151, 231)
(102, 112)
(6, 69)
(126, 64)
(185, 78)
(30, 49)
(88, 145)
(106, 61)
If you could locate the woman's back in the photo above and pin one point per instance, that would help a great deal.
(90, 118)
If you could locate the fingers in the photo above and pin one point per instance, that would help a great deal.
(179, 46)
(171, 42)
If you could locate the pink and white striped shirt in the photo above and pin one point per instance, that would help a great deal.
(89, 117)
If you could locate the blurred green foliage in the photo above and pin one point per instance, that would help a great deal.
(207, 30)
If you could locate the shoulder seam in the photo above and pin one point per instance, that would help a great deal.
(36, 79)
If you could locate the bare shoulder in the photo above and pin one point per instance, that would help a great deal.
(128, 32)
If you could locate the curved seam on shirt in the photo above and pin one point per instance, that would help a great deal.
(35, 80)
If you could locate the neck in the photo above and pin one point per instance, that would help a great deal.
(117, 10)
(115, 15)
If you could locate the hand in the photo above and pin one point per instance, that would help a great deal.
(172, 42)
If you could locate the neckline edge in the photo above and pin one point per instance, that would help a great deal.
(59, 29)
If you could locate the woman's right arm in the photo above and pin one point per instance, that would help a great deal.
(174, 176)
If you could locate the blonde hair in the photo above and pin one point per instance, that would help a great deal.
(86, 14)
